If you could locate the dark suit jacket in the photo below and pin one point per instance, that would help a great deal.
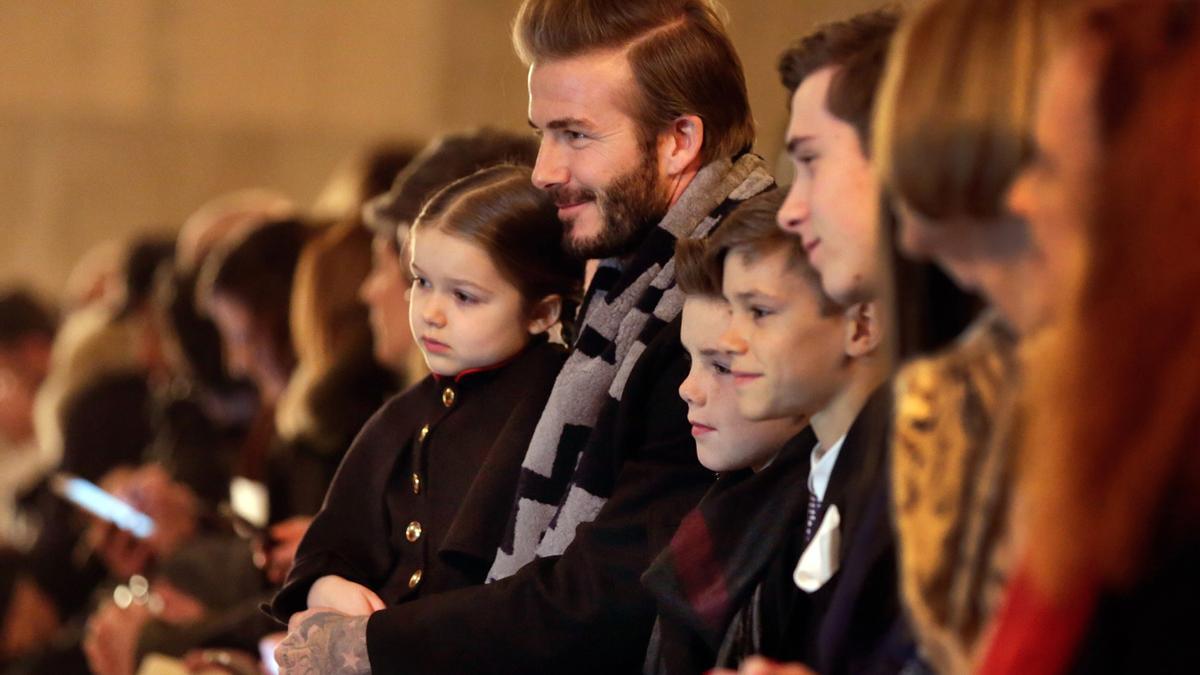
(584, 611)
(407, 537)
(852, 624)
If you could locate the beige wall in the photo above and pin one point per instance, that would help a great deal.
(122, 116)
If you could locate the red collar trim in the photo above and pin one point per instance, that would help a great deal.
(474, 371)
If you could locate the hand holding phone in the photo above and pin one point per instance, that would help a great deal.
(102, 504)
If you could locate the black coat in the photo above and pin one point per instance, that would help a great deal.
(1149, 627)
(420, 501)
(854, 623)
(753, 529)
(584, 611)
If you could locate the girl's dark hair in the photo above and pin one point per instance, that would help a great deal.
(500, 210)
(256, 271)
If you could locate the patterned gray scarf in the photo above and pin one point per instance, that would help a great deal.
(566, 476)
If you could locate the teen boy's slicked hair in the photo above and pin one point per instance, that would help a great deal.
(750, 231)
(679, 51)
(858, 48)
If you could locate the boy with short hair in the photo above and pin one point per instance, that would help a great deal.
(757, 566)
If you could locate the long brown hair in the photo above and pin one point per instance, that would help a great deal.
(1112, 462)
(329, 324)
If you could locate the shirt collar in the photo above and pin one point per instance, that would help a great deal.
(821, 464)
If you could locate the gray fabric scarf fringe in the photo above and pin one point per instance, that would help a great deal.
(551, 504)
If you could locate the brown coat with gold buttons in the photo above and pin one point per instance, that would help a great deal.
(420, 502)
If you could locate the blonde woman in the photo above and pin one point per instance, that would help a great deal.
(950, 131)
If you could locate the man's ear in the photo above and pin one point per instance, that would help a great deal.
(544, 314)
(679, 145)
(864, 330)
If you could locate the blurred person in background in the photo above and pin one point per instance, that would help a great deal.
(246, 287)
(225, 218)
(203, 574)
(1108, 527)
(951, 124)
(339, 380)
(336, 387)
(26, 333)
(358, 179)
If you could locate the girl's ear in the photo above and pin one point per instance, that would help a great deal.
(864, 330)
(544, 314)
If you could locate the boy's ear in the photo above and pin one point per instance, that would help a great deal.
(544, 314)
(679, 145)
(864, 330)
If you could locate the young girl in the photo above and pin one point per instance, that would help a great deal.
(420, 502)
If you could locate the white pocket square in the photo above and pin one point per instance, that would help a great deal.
(820, 561)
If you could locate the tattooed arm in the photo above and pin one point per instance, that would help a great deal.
(324, 641)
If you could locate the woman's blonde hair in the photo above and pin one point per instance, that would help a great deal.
(953, 114)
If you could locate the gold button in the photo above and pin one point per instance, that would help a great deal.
(424, 432)
(448, 397)
(416, 483)
(414, 579)
(413, 531)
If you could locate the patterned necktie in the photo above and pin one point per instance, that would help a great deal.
(814, 506)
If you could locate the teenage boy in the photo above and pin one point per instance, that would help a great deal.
(833, 203)
(757, 567)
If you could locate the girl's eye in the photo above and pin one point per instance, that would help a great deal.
(420, 282)
(720, 368)
(760, 313)
(465, 298)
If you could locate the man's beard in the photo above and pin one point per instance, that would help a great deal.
(632, 203)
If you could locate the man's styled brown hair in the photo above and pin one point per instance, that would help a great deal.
(858, 48)
(750, 231)
(681, 57)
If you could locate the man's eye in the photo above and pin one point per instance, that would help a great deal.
(573, 135)
(760, 312)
